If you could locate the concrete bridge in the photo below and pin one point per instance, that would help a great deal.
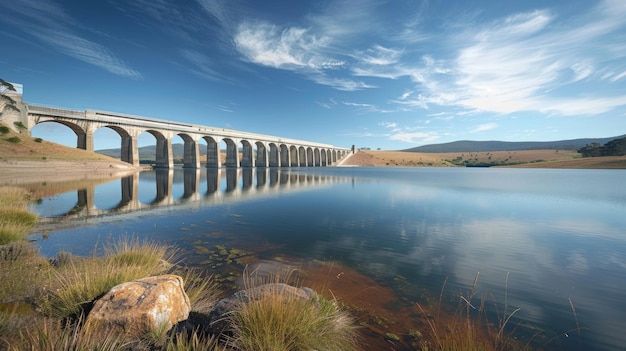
(243, 149)
(257, 150)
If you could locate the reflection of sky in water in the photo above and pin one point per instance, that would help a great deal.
(559, 234)
(55, 205)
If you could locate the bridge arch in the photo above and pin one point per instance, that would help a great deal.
(284, 155)
(302, 156)
(293, 156)
(274, 155)
(128, 144)
(212, 152)
(261, 155)
(232, 153)
(191, 151)
(163, 150)
(323, 157)
(247, 154)
(81, 134)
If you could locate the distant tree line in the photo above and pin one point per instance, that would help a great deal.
(616, 147)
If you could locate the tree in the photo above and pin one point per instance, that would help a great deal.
(616, 147)
(590, 150)
(6, 102)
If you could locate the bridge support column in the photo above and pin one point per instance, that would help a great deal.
(85, 141)
(130, 150)
(191, 156)
(164, 158)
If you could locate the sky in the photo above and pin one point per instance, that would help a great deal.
(378, 74)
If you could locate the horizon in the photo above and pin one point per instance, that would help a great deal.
(374, 74)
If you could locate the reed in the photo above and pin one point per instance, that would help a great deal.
(279, 321)
(468, 329)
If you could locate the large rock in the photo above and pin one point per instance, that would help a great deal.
(141, 306)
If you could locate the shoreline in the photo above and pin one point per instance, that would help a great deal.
(21, 172)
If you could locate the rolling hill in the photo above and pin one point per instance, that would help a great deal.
(486, 146)
(149, 152)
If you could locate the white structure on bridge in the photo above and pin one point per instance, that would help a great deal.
(257, 150)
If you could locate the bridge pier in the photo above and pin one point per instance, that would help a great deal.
(164, 158)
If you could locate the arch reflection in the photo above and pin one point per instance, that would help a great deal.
(165, 187)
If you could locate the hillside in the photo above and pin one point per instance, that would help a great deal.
(489, 146)
(149, 152)
(520, 158)
(23, 158)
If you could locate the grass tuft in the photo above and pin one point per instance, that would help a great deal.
(78, 281)
(279, 321)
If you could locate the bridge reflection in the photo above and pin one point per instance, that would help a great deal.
(144, 191)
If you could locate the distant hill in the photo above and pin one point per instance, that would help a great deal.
(484, 146)
(149, 152)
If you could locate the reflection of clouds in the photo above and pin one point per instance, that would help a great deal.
(577, 263)
(549, 260)
(587, 227)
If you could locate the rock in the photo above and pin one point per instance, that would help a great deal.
(141, 306)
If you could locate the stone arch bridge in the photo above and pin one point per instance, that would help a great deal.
(243, 149)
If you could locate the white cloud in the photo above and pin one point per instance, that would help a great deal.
(379, 56)
(483, 127)
(414, 137)
(290, 48)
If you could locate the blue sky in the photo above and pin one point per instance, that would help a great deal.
(378, 74)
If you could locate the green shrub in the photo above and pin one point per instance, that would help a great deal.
(14, 140)
(4, 129)
(38, 140)
(19, 125)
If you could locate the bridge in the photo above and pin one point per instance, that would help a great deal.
(243, 149)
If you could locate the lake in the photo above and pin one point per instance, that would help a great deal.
(550, 243)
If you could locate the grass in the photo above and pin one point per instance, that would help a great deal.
(15, 220)
(277, 320)
(77, 281)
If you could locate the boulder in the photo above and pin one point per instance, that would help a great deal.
(141, 306)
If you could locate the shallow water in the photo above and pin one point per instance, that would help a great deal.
(549, 242)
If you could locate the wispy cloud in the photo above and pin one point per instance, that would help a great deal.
(483, 128)
(523, 62)
(48, 22)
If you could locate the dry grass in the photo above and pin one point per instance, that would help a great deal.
(15, 220)
(521, 158)
(77, 281)
(275, 319)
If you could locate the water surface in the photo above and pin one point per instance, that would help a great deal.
(549, 242)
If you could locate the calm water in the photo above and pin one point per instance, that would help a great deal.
(559, 235)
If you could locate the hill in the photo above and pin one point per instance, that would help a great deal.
(489, 146)
(149, 152)
(24, 158)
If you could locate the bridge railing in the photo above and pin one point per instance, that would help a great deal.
(35, 109)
